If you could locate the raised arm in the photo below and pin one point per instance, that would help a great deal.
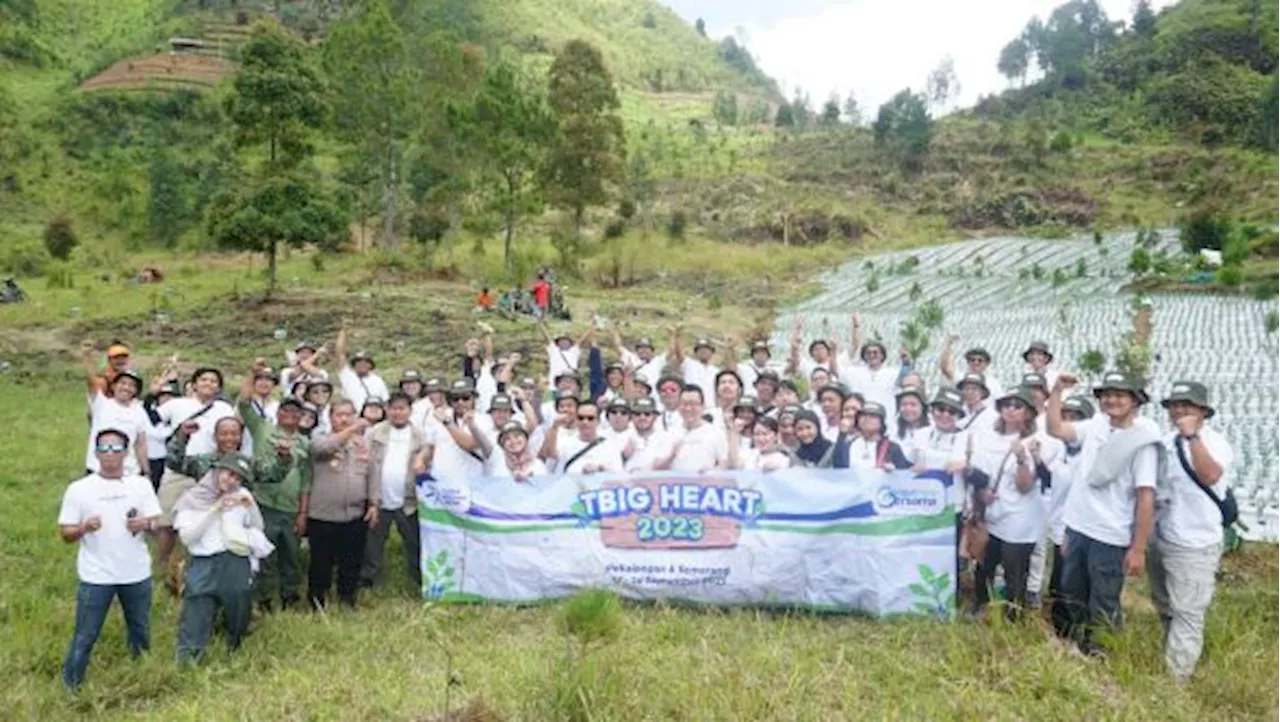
(482, 441)
(946, 365)
(589, 337)
(677, 344)
(793, 351)
(730, 354)
(1056, 426)
(88, 357)
(855, 335)
(340, 343)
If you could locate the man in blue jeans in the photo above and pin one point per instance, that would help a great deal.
(1110, 508)
(108, 514)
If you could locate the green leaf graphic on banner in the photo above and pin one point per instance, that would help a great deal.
(437, 580)
(933, 596)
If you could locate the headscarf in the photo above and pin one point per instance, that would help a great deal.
(813, 452)
(205, 495)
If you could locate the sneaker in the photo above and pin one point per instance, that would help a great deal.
(1033, 600)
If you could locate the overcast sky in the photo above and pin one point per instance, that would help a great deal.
(877, 47)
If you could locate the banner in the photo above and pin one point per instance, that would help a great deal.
(829, 540)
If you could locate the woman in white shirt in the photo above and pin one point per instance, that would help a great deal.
(158, 431)
(871, 450)
(911, 424)
(119, 409)
(1012, 453)
(221, 526)
(765, 454)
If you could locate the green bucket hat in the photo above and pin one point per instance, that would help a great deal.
(1120, 381)
(1191, 392)
(872, 408)
(237, 463)
(644, 405)
(979, 352)
(949, 399)
(1080, 405)
(512, 427)
(1034, 381)
(910, 390)
(1040, 346)
(432, 385)
(462, 388)
(500, 402)
(747, 402)
(1020, 395)
(977, 380)
(761, 346)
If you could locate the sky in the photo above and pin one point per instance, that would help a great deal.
(877, 47)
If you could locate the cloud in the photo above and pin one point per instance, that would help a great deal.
(877, 47)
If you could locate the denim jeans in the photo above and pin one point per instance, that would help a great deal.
(93, 601)
(1092, 579)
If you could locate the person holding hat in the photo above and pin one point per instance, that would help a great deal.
(302, 366)
(106, 513)
(1075, 409)
(644, 359)
(1014, 457)
(912, 423)
(697, 370)
(977, 361)
(1183, 558)
(342, 506)
(1039, 358)
(357, 376)
(398, 451)
(221, 526)
(1110, 512)
(283, 463)
(116, 406)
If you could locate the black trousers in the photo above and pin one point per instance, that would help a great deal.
(1016, 561)
(1058, 609)
(340, 544)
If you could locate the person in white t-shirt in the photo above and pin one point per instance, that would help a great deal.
(977, 361)
(399, 451)
(1066, 471)
(1183, 559)
(563, 354)
(647, 443)
(583, 452)
(698, 370)
(669, 418)
(118, 408)
(644, 359)
(512, 457)
(107, 512)
(618, 417)
(1110, 511)
(819, 356)
(871, 375)
(302, 367)
(1039, 358)
(761, 361)
(455, 452)
(764, 454)
(1011, 454)
(703, 446)
(976, 393)
(357, 376)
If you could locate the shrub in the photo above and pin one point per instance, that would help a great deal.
(25, 259)
(1230, 276)
(1082, 268)
(1061, 142)
(1264, 291)
(615, 228)
(1092, 361)
(1273, 321)
(676, 225)
(627, 209)
(873, 283)
(1139, 261)
(59, 274)
(1059, 277)
(1205, 229)
(60, 238)
(591, 616)
(650, 22)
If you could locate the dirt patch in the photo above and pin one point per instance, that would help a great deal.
(162, 69)
(1255, 562)
(1019, 209)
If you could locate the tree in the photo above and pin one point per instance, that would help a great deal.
(701, 27)
(784, 117)
(283, 209)
(1269, 118)
(831, 111)
(276, 102)
(852, 111)
(60, 238)
(801, 112)
(376, 98)
(590, 144)
(725, 107)
(166, 209)
(943, 83)
(510, 127)
(1144, 19)
(1014, 59)
(904, 128)
(277, 97)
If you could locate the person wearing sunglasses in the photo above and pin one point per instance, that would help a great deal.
(587, 451)
(648, 442)
(106, 513)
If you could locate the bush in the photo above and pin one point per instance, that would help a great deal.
(60, 238)
(25, 259)
(676, 225)
(1139, 261)
(615, 228)
(649, 21)
(1230, 276)
(1205, 229)
(1273, 321)
(59, 274)
(1061, 142)
(627, 209)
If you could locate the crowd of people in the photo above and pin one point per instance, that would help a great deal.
(325, 449)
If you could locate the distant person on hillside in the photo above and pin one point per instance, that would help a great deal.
(10, 293)
(541, 296)
(107, 512)
(485, 300)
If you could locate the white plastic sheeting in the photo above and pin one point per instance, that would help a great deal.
(991, 297)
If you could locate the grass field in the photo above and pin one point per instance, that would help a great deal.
(394, 657)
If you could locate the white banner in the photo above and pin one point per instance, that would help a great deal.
(831, 540)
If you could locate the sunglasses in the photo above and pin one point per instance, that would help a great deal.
(1011, 405)
(944, 410)
(649, 414)
(583, 417)
(116, 448)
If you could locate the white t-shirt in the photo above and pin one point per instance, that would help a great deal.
(448, 460)
(703, 376)
(112, 554)
(358, 388)
(750, 373)
(878, 385)
(1015, 517)
(157, 434)
(110, 414)
(1065, 471)
(669, 421)
(496, 466)
(808, 366)
(648, 450)
(753, 460)
(562, 361)
(395, 463)
(291, 375)
(177, 411)
(705, 447)
(1190, 518)
(607, 453)
(1106, 513)
(652, 369)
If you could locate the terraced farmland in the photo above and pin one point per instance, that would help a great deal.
(162, 72)
(1003, 292)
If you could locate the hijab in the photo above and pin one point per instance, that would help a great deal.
(812, 453)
